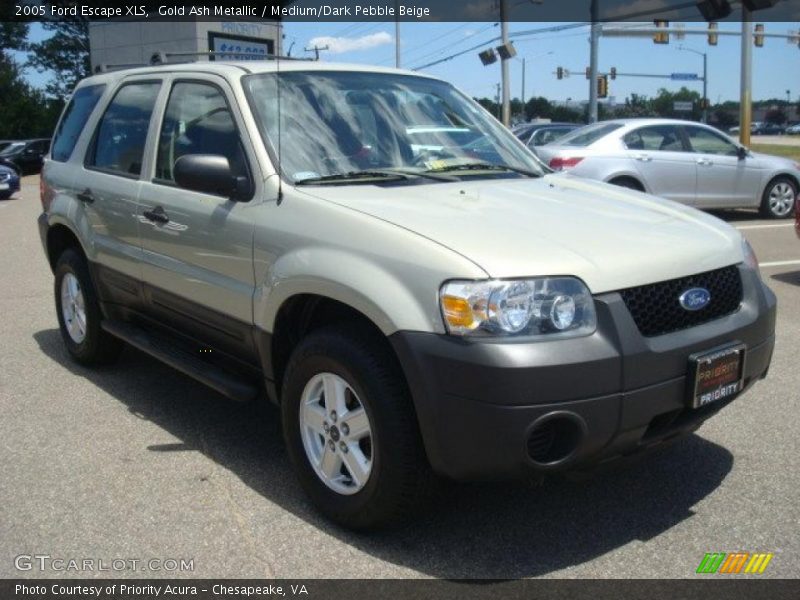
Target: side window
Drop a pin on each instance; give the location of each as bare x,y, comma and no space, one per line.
708,142
665,138
122,132
198,121
74,119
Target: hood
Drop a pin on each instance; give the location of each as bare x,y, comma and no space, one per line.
610,237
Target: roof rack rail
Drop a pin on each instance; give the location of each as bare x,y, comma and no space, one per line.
163,58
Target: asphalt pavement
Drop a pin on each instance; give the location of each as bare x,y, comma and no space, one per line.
137,462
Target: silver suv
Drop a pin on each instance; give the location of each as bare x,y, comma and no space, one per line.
371,251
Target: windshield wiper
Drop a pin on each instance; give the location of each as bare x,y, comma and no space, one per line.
354,175
484,166
373,174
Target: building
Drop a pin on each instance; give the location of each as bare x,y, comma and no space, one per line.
134,42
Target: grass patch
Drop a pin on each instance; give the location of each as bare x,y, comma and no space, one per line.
787,151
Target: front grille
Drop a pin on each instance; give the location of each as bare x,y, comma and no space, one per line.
655,308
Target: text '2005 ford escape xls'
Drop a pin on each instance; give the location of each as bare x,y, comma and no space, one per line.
373,252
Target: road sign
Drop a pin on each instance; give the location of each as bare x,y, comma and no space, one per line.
681,106
684,76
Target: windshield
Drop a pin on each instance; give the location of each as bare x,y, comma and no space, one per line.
588,135
11,148
338,123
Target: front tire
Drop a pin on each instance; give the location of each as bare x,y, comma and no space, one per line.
79,314
350,428
779,198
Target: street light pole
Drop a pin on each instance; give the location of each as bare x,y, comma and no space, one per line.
594,46
506,111
523,82
745,92
705,80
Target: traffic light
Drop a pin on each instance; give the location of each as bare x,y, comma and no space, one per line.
488,57
602,86
560,72
613,72
507,51
705,104
713,10
758,36
661,37
713,36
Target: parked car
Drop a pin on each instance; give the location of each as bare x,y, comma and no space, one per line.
683,161
5,143
26,155
409,313
768,129
9,182
793,129
539,134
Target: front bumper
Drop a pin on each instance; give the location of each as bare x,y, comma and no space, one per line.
479,404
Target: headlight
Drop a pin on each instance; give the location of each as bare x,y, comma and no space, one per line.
547,306
750,256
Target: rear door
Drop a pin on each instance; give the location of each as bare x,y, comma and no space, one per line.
663,160
723,179
197,264
108,186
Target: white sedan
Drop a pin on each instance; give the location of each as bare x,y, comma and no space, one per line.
683,161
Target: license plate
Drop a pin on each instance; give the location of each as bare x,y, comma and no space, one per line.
3,186
716,375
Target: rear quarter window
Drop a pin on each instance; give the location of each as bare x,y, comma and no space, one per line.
74,120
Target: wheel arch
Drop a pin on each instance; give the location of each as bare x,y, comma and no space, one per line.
636,177
59,238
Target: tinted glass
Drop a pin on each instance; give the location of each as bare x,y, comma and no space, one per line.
708,142
12,148
588,135
665,138
122,132
198,121
329,123
72,123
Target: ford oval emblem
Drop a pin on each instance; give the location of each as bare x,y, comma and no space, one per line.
695,298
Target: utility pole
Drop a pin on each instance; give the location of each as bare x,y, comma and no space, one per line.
745,93
316,50
523,82
499,107
594,46
506,111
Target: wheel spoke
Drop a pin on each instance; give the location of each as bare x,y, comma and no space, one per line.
334,394
356,464
357,423
330,463
314,417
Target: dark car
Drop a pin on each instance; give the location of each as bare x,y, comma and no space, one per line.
5,143
768,129
25,156
9,182
539,134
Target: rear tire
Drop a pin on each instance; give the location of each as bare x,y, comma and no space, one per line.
79,314
5,195
779,198
398,472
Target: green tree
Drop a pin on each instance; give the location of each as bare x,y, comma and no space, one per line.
723,118
65,53
538,108
25,111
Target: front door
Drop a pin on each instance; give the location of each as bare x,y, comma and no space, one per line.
197,248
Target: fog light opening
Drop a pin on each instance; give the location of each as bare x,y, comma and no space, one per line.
555,438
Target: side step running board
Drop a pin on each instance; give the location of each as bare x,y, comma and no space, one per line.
184,361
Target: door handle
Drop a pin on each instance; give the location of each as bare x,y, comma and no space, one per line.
86,196
156,215
644,158
705,162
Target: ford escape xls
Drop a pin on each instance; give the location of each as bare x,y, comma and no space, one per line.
443,306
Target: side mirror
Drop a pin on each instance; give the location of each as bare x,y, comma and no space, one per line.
211,173
741,152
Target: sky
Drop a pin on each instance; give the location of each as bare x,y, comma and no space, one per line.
776,66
